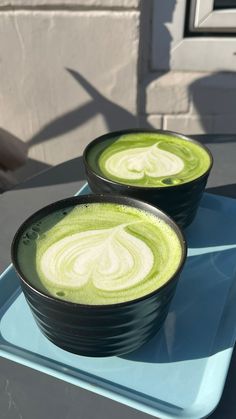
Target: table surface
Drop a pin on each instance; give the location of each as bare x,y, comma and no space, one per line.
27,394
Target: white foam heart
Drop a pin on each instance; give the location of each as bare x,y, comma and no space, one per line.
113,259
151,161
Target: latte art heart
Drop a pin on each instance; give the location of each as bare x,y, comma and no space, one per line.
110,258
100,253
148,159
151,161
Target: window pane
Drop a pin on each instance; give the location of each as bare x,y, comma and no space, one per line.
224,4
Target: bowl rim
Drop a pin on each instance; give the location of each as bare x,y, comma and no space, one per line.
97,198
149,131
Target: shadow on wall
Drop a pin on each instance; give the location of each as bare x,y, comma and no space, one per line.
115,118
214,100
114,115
212,95
166,14
208,95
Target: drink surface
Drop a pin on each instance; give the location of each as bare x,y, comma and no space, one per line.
99,253
149,159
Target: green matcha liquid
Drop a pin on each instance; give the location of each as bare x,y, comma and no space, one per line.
99,253
149,159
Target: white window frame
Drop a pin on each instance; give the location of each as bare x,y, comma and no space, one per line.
204,18
172,51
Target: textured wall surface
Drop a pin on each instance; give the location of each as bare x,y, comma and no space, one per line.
193,102
67,76
71,70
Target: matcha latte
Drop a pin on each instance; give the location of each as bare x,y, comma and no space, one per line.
99,253
149,159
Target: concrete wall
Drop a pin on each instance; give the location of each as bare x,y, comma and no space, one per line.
68,72
71,70
193,103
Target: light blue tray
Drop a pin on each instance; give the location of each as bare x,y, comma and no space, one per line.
181,372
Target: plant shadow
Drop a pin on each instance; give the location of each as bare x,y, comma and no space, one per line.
114,115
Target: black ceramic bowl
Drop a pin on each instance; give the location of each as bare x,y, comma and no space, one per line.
179,201
98,330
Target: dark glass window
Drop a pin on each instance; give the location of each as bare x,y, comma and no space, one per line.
224,4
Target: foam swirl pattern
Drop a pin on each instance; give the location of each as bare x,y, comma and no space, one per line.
136,163
149,159
110,258
99,254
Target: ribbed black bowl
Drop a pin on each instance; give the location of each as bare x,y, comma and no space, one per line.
179,201
98,330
